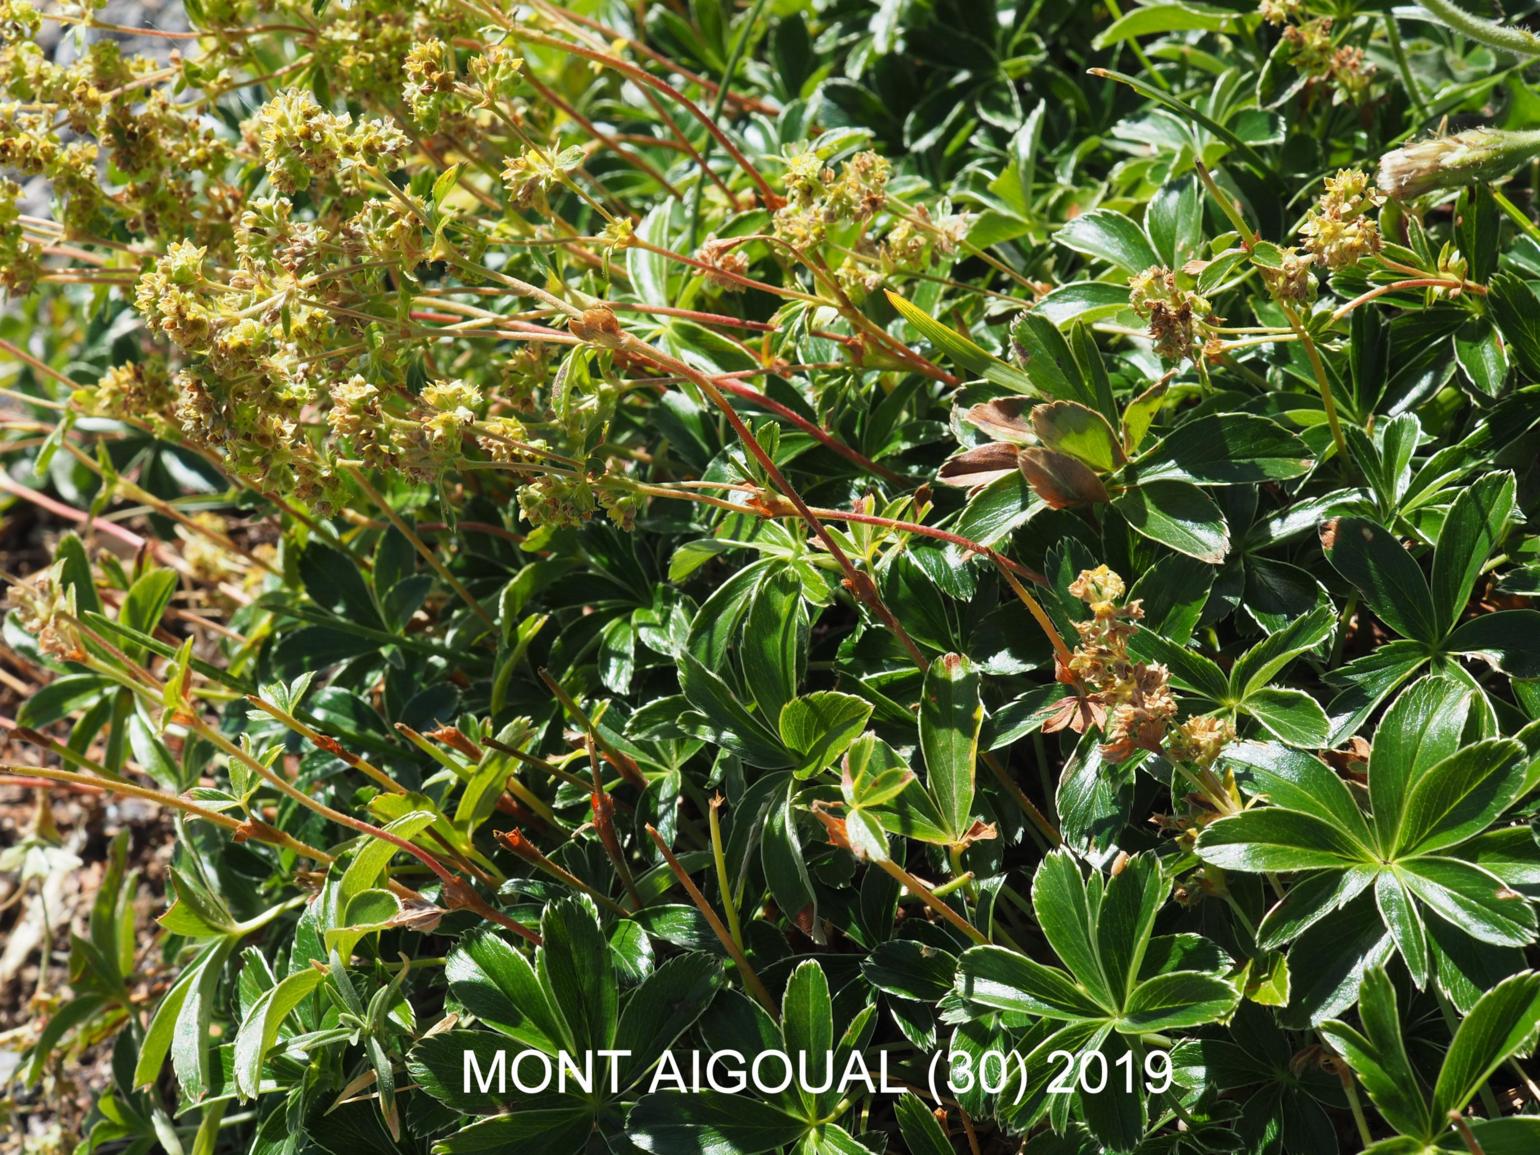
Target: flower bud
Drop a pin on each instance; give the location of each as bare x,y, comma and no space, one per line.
1478,154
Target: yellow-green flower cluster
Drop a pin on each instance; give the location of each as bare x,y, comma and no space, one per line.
1280,11
430,82
20,259
1180,319
816,197
1339,231
1316,53
1200,740
1130,699
1292,280
301,143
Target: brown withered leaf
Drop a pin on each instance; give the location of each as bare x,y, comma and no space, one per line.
1004,419
980,466
980,831
1059,479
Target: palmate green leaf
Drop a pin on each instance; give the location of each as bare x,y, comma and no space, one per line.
1258,665
1378,1057
1114,1116
1385,457
1225,449
951,714
1502,1023
912,812
259,1029
1508,639
1101,930
1190,670
1125,920
999,509
374,855
785,869
664,1006
1048,361
189,1045
61,697
993,976
873,773
807,1023
1179,516
775,641
1420,729
1291,716
1475,524
1110,236
819,727
1064,914
1272,838
1515,1135
1162,17
499,986
1482,356
1404,921
577,973
1173,593
729,721
1086,301
1391,582
1472,899
709,1123
922,1134
1369,680
1460,796
70,1016
559,1124
1516,310
146,601
910,970
1314,897
1299,782
1180,999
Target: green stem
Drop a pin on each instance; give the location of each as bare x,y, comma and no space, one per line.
1116,12
1398,50
1516,214
1350,1090
740,43
1503,37
724,882
751,979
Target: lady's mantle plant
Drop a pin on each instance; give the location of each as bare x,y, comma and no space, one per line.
982,540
